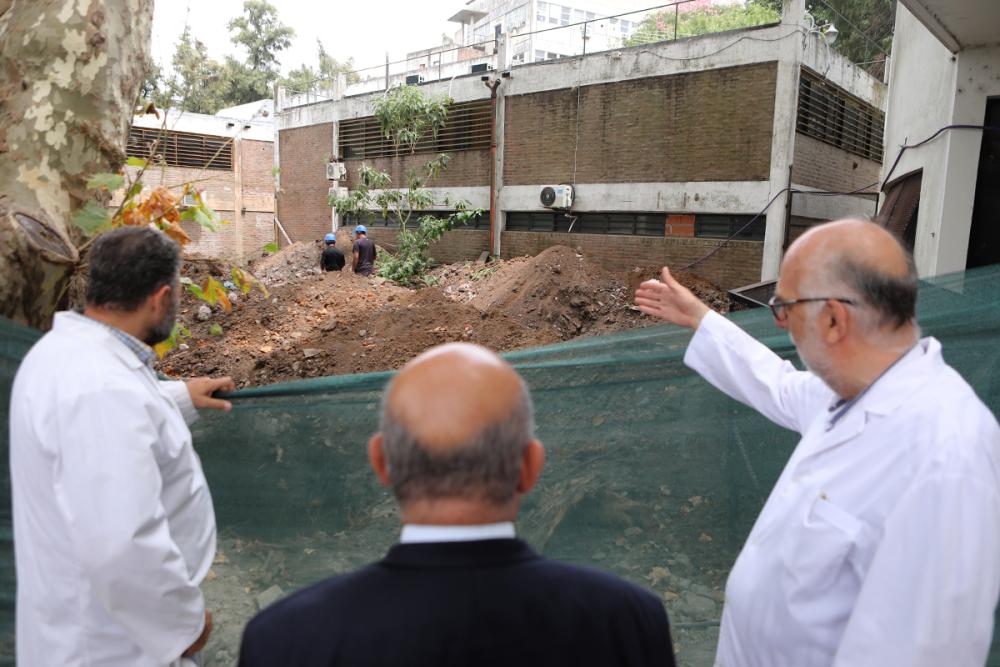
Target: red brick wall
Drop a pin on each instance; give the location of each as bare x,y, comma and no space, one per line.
458,245
698,126
465,169
735,265
817,164
218,188
302,201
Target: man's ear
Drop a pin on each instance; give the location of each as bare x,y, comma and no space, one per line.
376,457
532,462
836,318
159,302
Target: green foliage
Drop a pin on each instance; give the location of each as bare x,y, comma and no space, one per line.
179,334
198,83
865,28
485,272
410,262
263,36
305,77
407,116
660,25
270,248
215,330
106,182
92,218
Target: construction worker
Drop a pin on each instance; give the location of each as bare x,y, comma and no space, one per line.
364,252
332,259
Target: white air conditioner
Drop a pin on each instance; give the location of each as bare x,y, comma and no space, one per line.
188,201
336,171
557,196
338,192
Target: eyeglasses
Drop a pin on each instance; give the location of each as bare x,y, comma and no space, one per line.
779,308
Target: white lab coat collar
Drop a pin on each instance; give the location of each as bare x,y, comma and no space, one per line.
82,326
914,370
417,533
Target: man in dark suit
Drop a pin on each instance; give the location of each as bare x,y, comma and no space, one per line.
457,447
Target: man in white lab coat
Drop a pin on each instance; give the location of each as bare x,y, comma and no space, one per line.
880,543
113,522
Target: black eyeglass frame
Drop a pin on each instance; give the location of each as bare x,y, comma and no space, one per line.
776,305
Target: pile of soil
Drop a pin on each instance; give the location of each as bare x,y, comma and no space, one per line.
313,324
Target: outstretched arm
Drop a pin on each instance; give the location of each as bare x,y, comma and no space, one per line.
668,300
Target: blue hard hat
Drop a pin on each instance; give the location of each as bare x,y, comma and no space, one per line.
330,238
360,229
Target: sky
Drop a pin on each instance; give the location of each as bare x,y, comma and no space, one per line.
364,30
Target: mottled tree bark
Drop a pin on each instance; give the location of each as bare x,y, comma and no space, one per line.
69,74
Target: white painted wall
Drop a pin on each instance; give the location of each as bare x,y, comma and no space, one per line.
741,197
930,88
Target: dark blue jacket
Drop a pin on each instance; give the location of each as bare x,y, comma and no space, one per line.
468,604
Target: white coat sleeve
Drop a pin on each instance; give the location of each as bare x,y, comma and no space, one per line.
929,595
179,392
748,371
108,485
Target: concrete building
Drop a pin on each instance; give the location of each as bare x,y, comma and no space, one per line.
229,159
943,195
672,148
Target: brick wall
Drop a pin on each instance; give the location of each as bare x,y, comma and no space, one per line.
698,126
465,169
302,201
817,164
735,265
218,188
458,245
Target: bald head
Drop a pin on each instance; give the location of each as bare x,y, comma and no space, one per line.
858,257
455,422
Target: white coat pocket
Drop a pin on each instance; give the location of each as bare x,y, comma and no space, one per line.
815,560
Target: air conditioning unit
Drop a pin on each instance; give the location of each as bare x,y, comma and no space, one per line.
188,201
557,196
338,192
414,79
336,171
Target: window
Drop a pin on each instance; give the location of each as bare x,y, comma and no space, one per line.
467,128
591,16
629,224
181,149
835,117
376,219
723,226
578,15
539,56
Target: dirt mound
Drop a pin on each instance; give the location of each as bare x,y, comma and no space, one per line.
291,263
314,324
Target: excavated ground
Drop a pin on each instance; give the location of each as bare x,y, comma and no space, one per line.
313,324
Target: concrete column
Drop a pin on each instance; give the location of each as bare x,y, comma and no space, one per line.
238,194
501,215
335,143
786,96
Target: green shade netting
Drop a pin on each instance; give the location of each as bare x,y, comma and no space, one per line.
651,473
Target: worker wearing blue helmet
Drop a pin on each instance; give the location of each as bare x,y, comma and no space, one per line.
364,252
331,259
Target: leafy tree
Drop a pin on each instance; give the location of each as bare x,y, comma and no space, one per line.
659,26
263,36
305,77
406,117
865,29
373,192
198,82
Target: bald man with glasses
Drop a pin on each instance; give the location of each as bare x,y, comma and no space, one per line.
880,543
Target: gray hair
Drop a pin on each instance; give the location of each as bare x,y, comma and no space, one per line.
892,299
486,467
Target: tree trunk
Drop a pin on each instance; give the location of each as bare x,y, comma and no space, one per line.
70,71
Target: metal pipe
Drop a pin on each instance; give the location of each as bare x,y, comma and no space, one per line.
493,85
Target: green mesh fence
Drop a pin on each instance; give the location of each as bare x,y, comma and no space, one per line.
651,473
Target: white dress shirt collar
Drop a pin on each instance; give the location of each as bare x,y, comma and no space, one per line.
416,533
